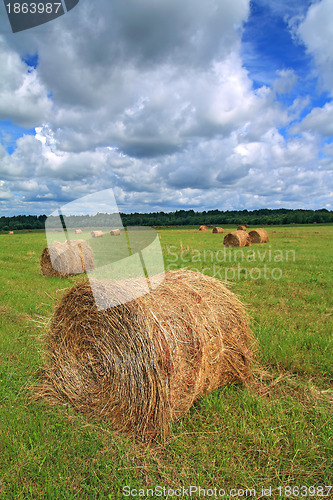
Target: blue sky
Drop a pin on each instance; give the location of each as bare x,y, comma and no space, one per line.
173,105
268,44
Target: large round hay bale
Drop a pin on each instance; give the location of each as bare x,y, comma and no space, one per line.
142,364
217,230
203,228
259,236
78,231
115,232
237,239
10,232
97,234
64,259
241,228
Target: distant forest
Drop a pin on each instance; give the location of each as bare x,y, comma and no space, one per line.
261,217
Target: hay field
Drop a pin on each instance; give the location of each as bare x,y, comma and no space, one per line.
276,433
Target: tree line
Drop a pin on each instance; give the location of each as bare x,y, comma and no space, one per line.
262,217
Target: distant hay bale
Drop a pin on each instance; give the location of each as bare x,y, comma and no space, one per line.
142,364
237,239
78,231
203,228
115,232
10,232
217,230
241,228
65,259
97,234
259,236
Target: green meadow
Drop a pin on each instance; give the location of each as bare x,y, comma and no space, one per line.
276,433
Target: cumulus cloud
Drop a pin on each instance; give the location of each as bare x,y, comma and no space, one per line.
316,33
153,99
319,121
23,98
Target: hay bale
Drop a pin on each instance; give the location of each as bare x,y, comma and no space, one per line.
241,228
10,232
78,231
97,234
203,228
259,236
65,259
217,230
237,239
115,232
142,364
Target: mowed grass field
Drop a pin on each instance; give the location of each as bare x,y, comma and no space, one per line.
275,433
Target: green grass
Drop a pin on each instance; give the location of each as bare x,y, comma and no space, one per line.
276,433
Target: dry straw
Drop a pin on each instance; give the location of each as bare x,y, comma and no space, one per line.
10,232
78,231
203,228
97,234
142,364
217,230
259,236
115,232
241,228
237,239
64,259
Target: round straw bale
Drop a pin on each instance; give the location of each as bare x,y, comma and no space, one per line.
237,239
115,232
241,228
64,259
97,234
78,231
259,236
217,230
142,364
10,232
203,228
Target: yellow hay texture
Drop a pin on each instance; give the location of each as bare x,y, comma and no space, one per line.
241,228
64,259
203,228
237,239
142,364
217,230
115,232
10,232
259,236
78,231
97,234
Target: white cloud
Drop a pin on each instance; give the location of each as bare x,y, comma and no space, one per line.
23,98
316,33
319,121
152,99
285,82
